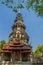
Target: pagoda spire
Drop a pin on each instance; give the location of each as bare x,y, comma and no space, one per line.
18,30
19,17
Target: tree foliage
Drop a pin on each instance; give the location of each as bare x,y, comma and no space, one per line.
38,51
2,43
36,5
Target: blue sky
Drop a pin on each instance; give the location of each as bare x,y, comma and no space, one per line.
34,25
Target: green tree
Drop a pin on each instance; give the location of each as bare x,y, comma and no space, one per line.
36,5
2,43
38,50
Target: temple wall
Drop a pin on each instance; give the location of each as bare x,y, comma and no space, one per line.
15,56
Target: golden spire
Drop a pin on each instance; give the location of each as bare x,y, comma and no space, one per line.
19,10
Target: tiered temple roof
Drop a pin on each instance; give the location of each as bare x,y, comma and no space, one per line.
16,45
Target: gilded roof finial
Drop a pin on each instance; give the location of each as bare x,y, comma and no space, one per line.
19,2
19,10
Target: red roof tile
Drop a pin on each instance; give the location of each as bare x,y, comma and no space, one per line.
6,47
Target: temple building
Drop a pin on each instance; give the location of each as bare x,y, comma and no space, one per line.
18,48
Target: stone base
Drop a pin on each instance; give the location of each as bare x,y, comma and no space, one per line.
16,63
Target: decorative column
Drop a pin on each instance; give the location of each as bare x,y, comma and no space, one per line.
28,57
20,56
11,59
31,58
